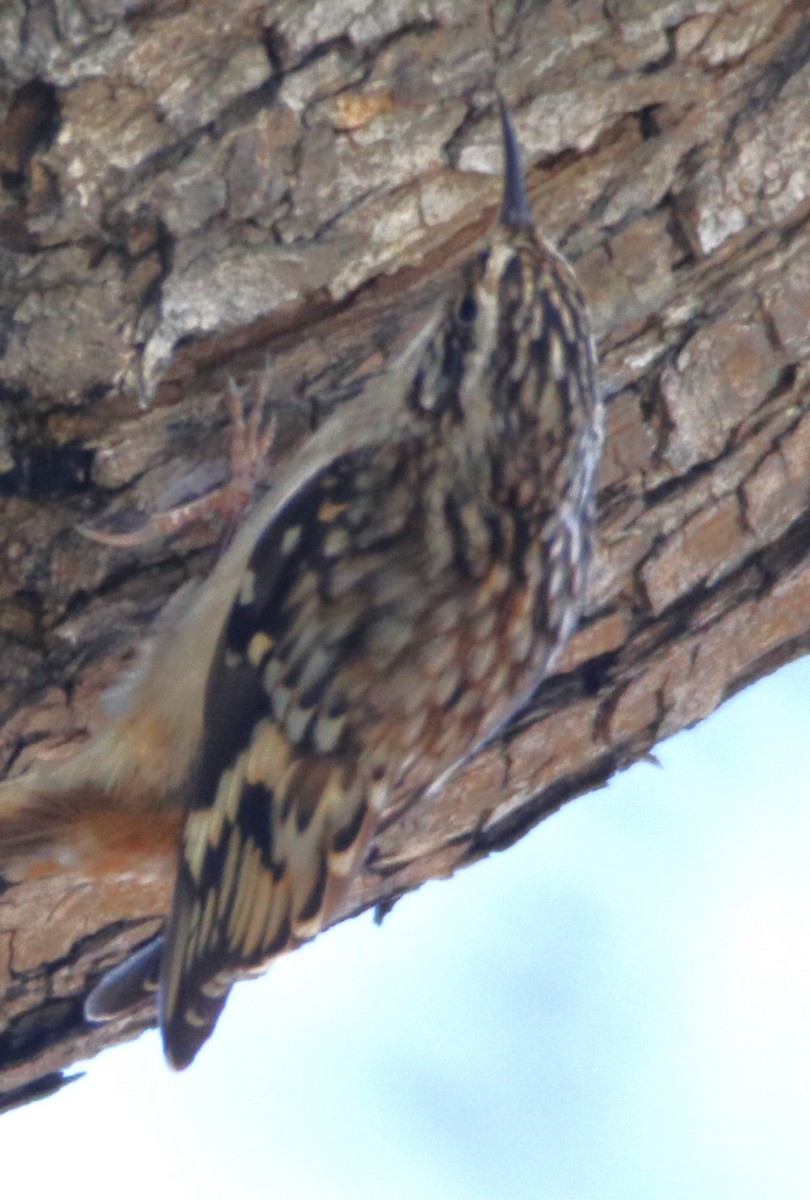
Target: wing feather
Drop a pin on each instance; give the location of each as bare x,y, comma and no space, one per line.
356,669
282,812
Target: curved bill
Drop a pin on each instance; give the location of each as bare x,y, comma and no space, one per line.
515,210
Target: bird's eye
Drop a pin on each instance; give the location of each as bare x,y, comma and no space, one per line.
468,309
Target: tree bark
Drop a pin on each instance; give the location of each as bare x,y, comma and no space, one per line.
276,194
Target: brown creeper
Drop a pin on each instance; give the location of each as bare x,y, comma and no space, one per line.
383,612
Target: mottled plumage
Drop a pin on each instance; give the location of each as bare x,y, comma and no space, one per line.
409,585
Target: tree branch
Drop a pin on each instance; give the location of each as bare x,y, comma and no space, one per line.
279,197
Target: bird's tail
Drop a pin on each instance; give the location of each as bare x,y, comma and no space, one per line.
35,817
133,983
81,814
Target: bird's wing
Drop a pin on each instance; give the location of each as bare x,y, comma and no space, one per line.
288,788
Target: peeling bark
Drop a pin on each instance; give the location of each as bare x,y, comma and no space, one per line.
275,195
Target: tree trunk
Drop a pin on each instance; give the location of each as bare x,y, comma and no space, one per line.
275,194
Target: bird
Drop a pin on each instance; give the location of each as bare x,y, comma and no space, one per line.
389,605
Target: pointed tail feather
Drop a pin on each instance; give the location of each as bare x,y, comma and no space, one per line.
62,821
133,983
34,819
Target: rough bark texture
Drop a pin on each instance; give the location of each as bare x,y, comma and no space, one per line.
275,192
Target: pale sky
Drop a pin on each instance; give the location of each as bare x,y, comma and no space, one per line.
617,1007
